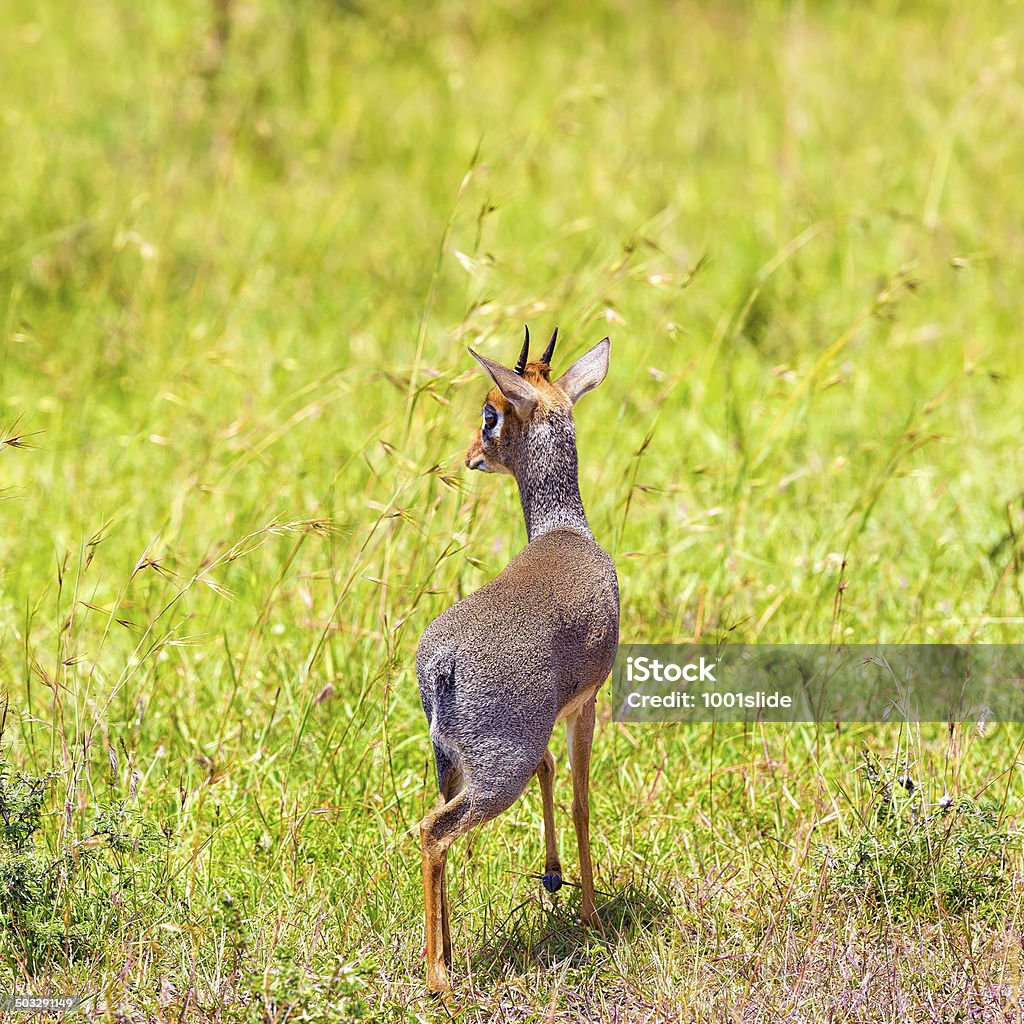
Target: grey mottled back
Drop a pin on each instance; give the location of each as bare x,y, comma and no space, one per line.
499,668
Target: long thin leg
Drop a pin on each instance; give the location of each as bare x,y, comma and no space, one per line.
433,903
453,786
581,736
446,932
552,867
438,830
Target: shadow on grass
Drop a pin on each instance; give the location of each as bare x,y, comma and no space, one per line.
544,931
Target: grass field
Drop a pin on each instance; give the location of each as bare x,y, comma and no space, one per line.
243,247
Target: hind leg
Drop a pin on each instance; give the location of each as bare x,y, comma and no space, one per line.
446,931
433,903
438,830
453,786
552,867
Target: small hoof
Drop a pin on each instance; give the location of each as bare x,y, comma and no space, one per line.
552,882
437,981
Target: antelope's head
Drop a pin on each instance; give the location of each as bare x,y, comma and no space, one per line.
525,408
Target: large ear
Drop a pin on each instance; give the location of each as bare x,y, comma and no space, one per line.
519,392
587,372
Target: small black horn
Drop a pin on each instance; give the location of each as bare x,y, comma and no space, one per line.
524,355
550,350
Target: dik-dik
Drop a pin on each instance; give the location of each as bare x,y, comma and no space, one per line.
497,670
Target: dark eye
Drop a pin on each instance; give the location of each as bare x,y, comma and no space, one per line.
490,417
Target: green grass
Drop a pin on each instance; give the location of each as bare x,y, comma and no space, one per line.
242,249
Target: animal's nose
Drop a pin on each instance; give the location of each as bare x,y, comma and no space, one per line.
475,460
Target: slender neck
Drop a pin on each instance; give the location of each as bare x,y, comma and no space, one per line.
548,479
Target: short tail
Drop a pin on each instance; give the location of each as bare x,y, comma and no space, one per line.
446,759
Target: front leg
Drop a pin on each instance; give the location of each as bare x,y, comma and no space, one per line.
580,729
552,867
